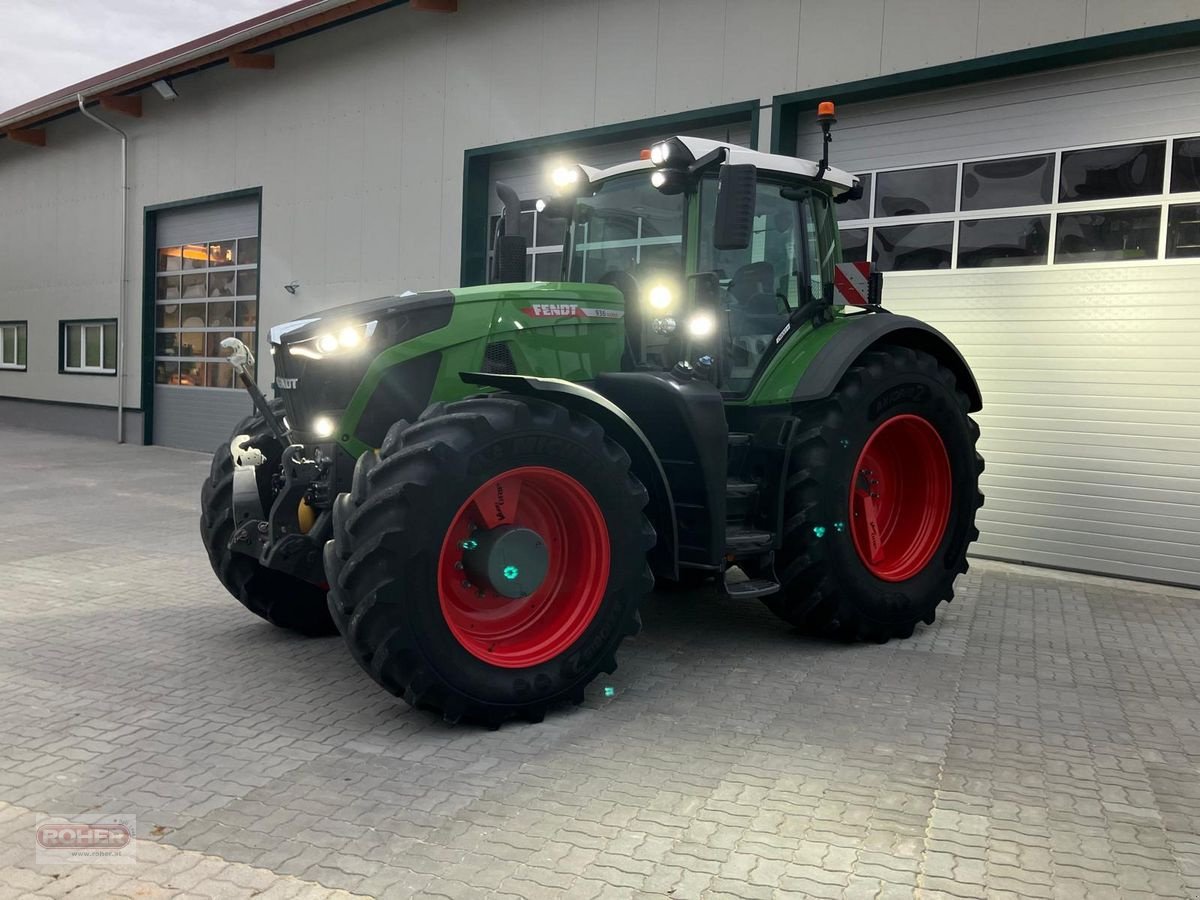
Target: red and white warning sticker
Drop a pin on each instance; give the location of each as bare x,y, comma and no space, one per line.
570,311
850,283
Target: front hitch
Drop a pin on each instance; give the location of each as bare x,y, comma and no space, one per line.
280,540
241,359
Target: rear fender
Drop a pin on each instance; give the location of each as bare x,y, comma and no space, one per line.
644,461
864,333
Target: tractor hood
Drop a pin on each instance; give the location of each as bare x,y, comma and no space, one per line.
359,313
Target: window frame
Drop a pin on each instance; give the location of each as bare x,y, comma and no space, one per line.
16,365
1161,201
84,324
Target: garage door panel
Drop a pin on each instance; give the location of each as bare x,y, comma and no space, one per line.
1123,396
1089,104
1157,507
205,290
1015,484
1099,434
1075,558
1156,414
1150,527
1102,464
1178,557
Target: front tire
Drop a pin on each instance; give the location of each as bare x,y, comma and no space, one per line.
279,598
490,558
881,498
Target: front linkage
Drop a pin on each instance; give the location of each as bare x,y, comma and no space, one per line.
289,536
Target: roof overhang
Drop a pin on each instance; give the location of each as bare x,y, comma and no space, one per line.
261,32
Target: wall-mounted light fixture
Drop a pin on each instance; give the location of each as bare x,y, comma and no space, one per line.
165,89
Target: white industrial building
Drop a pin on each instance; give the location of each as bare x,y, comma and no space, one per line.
1033,190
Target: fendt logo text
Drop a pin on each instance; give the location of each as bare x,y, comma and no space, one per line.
570,311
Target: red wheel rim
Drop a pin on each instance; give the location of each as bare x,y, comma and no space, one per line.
900,497
518,633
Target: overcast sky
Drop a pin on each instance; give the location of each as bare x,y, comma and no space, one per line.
49,44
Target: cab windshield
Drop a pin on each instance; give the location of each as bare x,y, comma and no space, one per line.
627,229
630,235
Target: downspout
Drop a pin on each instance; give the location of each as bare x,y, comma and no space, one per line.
122,320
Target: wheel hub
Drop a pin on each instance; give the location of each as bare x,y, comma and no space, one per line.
510,560
524,567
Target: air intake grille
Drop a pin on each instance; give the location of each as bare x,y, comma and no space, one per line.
497,360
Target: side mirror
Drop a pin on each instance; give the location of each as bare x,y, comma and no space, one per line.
855,193
737,188
510,245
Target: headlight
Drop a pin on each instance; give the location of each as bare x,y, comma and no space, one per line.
337,340
659,153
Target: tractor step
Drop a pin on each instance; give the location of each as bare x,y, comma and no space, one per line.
740,498
740,586
743,541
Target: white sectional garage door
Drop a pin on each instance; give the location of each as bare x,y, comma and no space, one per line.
529,176
1050,225
206,289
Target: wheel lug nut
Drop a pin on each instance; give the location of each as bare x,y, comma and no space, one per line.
466,583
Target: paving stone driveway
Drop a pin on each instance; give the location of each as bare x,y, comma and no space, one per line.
1041,739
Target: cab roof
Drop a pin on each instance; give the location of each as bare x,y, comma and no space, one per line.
774,163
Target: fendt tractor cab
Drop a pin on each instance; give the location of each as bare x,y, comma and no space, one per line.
477,486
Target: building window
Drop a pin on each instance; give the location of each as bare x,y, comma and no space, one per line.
1106,173
1016,241
915,192
89,347
13,345
1114,235
204,293
1183,231
1116,203
999,183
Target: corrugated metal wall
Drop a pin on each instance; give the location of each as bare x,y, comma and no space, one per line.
1090,372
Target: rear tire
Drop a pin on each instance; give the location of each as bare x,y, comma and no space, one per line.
416,612
281,599
883,429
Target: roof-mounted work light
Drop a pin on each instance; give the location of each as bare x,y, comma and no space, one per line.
672,153
570,181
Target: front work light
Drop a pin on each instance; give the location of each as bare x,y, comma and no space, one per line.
571,181
323,426
701,325
565,176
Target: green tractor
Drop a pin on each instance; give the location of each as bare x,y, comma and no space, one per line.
477,486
